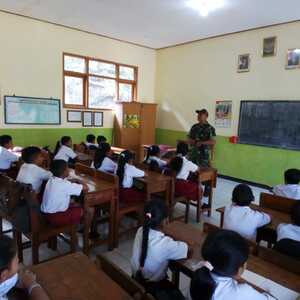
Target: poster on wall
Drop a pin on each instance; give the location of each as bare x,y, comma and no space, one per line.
131,121
223,114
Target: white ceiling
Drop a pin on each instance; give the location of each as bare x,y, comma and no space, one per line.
156,23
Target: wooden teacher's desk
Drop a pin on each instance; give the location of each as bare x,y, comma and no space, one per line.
75,277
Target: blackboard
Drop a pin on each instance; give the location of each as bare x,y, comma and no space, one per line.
270,124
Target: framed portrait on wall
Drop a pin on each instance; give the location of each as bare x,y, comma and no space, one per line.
87,119
244,63
270,46
74,116
293,58
98,119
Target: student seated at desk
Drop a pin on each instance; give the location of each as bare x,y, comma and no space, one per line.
153,156
288,235
64,150
183,168
91,142
152,251
10,277
240,217
102,160
225,253
56,204
7,158
126,172
101,139
291,188
31,171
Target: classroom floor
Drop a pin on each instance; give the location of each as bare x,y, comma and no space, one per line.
121,256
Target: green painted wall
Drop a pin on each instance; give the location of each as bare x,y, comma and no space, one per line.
49,136
258,164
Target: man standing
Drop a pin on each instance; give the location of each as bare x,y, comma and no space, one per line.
201,138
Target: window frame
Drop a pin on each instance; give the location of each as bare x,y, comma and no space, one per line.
85,76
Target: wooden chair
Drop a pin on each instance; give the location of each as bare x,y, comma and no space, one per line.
275,202
121,209
39,230
132,287
83,169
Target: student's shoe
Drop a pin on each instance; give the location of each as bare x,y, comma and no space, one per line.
205,206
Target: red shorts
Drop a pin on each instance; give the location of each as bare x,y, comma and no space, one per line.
71,216
131,195
190,190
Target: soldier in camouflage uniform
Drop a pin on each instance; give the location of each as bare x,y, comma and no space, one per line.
201,138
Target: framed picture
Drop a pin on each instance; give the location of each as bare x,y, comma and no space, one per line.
74,116
270,46
244,63
293,58
98,119
87,119
223,114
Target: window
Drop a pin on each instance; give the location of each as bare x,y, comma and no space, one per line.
95,84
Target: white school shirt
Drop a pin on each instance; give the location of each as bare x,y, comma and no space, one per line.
244,220
58,193
161,163
187,167
7,158
108,165
161,249
90,144
34,175
291,191
288,231
229,289
65,153
131,172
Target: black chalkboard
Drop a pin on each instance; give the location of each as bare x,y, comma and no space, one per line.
270,124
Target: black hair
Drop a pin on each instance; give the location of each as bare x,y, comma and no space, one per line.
295,213
176,163
124,158
58,167
63,141
242,195
29,154
155,212
100,154
292,176
227,252
8,251
5,139
90,138
182,148
101,139
153,150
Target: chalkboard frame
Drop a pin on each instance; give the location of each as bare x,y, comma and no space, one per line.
37,98
261,144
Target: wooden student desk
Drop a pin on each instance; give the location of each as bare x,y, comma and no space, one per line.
195,237
100,192
277,216
75,277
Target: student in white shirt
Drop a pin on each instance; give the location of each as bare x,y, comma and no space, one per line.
31,171
6,156
64,150
102,160
126,172
152,251
225,253
184,168
240,217
91,142
288,235
56,204
11,277
291,188
153,157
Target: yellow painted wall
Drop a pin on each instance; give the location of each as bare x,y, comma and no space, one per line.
195,75
31,60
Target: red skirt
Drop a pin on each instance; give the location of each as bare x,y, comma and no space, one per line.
69,217
190,190
131,195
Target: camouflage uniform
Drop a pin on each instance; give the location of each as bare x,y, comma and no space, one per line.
201,132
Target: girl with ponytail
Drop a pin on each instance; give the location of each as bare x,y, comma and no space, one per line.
153,157
152,251
225,253
102,160
126,172
63,150
184,168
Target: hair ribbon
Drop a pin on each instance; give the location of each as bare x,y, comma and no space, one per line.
149,215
